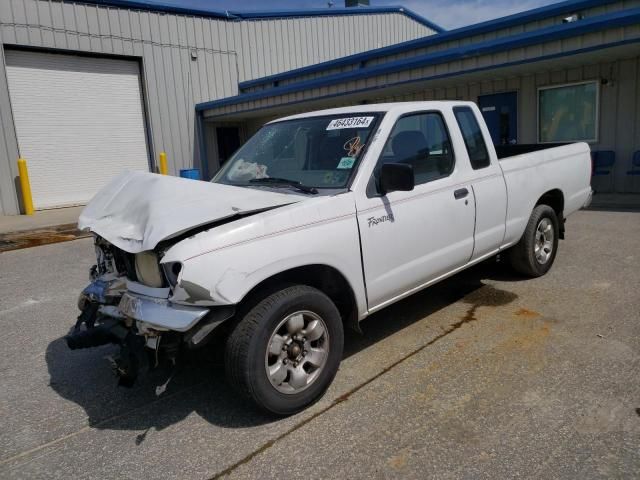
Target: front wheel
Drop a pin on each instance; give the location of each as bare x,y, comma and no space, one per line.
536,251
285,352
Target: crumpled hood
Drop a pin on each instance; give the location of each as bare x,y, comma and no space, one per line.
137,210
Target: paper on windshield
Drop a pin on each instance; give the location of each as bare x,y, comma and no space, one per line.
349,122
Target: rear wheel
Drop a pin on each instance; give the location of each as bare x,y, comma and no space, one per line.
536,251
285,352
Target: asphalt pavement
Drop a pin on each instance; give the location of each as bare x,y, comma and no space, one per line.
486,375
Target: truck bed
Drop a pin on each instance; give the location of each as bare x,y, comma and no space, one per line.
533,170
506,151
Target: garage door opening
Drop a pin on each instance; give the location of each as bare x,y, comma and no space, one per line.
228,142
79,122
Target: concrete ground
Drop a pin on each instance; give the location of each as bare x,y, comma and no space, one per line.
40,219
486,375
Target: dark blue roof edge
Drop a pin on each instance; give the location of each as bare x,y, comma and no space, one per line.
442,75
162,7
554,32
476,29
257,14
310,12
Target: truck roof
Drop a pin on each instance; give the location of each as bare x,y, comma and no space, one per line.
379,107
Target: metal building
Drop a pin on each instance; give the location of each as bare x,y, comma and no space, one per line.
91,87
561,73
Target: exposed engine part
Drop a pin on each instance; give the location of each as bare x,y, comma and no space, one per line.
107,291
132,359
111,259
93,330
95,336
97,325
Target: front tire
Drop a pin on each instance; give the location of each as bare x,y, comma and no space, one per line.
285,352
536,251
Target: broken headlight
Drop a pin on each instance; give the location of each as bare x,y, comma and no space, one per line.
148,269
171,272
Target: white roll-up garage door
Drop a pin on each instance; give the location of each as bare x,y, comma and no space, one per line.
79,122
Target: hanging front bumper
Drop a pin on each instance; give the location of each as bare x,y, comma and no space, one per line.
159,313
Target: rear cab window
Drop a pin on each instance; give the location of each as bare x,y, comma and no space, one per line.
473,138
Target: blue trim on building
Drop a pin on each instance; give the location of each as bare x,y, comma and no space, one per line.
441,76
541,13
555,32
159,6
311,12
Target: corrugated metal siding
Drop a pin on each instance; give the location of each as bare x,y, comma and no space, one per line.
8,146
174,81
457,67
284,44
531,26
619,122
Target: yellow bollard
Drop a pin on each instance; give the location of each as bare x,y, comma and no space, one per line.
163,163
25,186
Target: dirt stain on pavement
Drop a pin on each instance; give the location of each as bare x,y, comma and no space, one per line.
486,296
398,462
523,312
41,236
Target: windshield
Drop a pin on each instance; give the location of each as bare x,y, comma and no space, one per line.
319,152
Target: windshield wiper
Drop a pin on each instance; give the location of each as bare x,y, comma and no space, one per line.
275,181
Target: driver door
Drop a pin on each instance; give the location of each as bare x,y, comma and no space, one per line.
411,238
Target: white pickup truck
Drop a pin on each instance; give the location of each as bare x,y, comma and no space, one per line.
319,220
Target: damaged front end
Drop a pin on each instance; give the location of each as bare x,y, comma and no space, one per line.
128,303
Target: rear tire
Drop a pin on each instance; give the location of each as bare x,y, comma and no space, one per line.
284,353
536,251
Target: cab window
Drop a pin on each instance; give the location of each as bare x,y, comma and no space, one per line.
473,139
422,141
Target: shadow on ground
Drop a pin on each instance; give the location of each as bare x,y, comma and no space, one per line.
85,378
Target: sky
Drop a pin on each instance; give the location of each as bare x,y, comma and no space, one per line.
446,13
458,13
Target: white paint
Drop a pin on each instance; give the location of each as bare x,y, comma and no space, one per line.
79,122
409,240
137,210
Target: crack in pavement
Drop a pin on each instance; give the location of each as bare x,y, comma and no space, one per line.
468,318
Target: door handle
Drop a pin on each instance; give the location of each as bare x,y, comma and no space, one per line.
460,193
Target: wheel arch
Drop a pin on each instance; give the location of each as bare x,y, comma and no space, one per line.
325,278
555,199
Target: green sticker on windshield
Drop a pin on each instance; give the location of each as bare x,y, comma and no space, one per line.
346,162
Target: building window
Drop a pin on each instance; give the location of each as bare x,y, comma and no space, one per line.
568,113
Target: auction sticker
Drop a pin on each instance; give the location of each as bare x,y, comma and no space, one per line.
349,122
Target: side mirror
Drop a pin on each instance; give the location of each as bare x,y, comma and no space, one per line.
396,177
